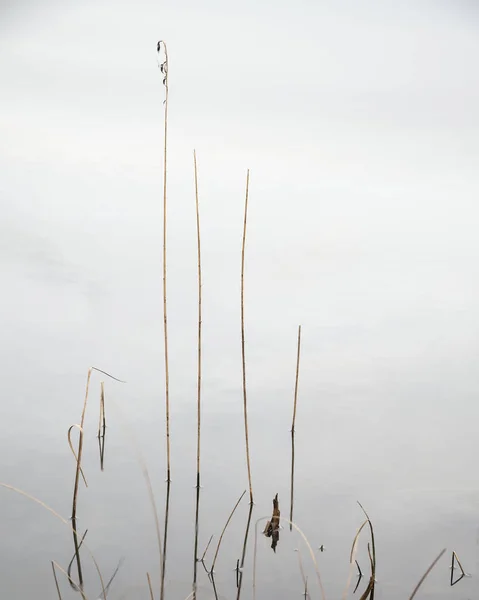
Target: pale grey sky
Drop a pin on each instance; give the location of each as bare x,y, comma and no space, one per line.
359,122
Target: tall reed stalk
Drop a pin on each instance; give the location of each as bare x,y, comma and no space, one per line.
243,357
293,427
164,70
198,407
245,401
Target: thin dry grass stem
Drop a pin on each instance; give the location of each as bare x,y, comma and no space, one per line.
459,563
301,568
56,581
243,357
165,540
72,583
58,516
243,553
149,586
198,438
355,541
206,549
107,587
164,70
80,433
308,545
293,426
430,568
78,468
352,560
223,532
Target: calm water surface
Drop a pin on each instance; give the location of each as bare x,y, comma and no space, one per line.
387,415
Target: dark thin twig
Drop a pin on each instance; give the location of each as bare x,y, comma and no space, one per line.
206,549
293,427
165,539
198,439
224,529
104,592
56,581
102,420
360,573
69,569
243,554
243,357
164,70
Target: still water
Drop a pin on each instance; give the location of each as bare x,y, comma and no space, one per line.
387,408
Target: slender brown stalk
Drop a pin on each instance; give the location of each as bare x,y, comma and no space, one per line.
224,529
164,70
245,403
430,568
165,540
206,549
243,553
298,355
77,481
149,586
56,581
198,438
293,427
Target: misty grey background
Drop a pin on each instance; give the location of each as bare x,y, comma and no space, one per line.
359,123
